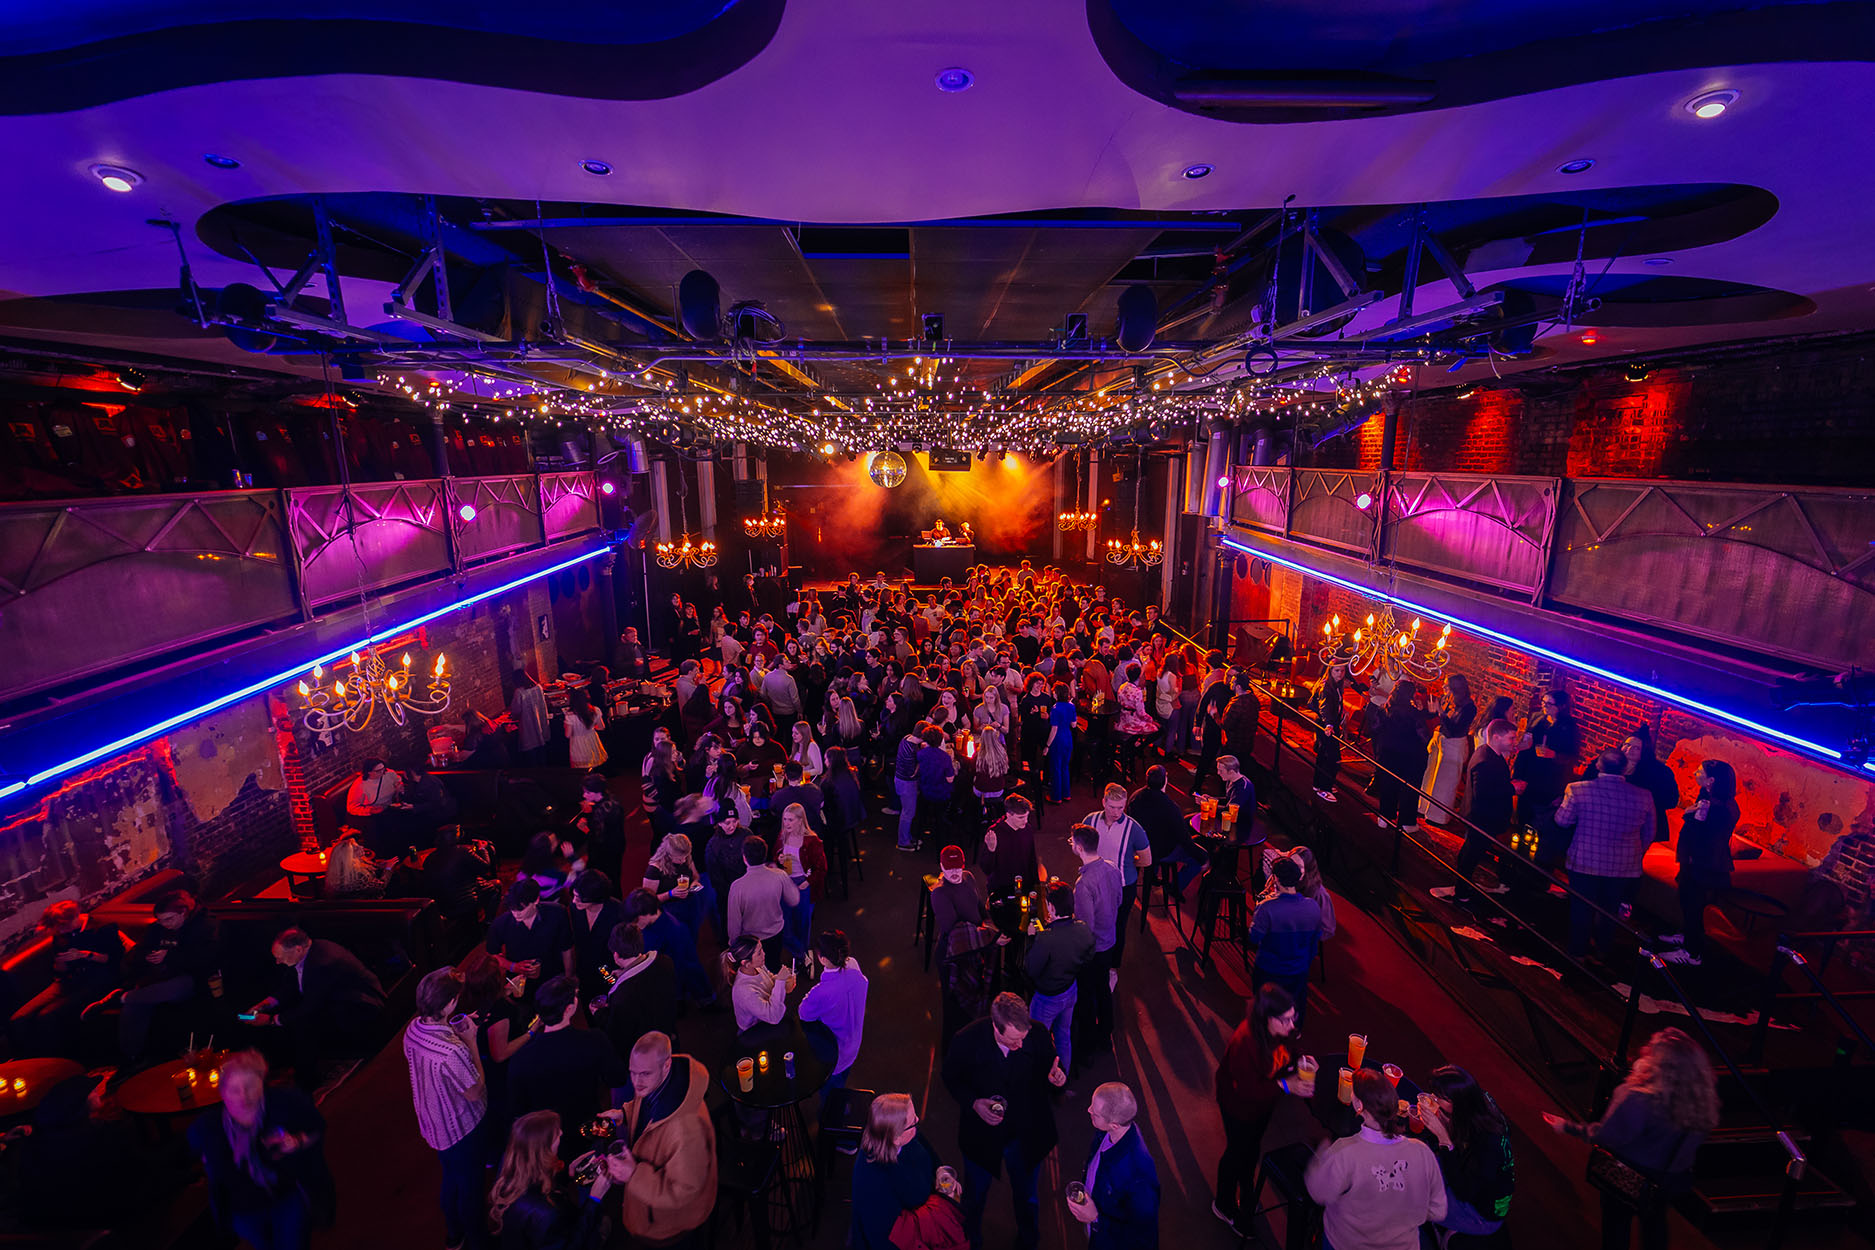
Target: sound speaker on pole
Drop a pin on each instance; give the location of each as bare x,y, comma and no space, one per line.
1138,319
699,306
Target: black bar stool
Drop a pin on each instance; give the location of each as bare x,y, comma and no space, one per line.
1227,903
1164,875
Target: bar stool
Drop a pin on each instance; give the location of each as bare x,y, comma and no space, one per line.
745,1175
1226,902
1164,875
924,929
843,1117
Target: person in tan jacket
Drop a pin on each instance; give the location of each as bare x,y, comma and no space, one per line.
669,1182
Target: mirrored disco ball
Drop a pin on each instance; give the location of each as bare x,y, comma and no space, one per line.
886,468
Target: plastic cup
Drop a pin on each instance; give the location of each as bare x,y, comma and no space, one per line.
1415,1120
787,1064
1357,1049
1344,1087
745,1074
1077,1192
998,1105
1392,1072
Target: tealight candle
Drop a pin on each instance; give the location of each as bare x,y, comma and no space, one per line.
19,1084
761,1061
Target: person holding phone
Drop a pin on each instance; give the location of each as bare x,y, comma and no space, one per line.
1704,851
529,939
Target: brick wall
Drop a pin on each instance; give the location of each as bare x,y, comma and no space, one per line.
1788,804
1799,413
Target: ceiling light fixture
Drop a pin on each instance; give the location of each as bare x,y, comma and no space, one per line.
466,512
1710,104
597,169
221,162
1195,172
116,177
1579,166
955,79
1363,501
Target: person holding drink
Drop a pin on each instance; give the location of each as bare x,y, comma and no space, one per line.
666,1172
1377,1186
1260,1064
450,1093
1118,1199
1474,1151
1000,1070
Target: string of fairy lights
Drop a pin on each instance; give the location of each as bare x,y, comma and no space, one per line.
919,400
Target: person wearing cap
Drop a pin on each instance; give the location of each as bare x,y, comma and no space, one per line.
85,954
1285,931
958,895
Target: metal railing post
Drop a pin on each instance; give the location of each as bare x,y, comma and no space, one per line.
1761,1032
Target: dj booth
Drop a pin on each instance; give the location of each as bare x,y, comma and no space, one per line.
930,564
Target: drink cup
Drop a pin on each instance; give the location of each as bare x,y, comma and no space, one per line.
1392,1072
787,1064
998,1105
1344,1087
1077,1192
1306,1068
745,1074
1415,1118
1357,1049
1233,814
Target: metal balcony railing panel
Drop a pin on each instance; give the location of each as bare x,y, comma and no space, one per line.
1325,508
392,532
504,515
569,504
1259,497
1483,528
1788,572
89,585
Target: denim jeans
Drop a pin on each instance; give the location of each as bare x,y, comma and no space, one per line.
977,1182
1055,1012
464,1221
907,806
1462,1217
1190,864
139,1006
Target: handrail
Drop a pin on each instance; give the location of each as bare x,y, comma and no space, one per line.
1788,953
1796,1157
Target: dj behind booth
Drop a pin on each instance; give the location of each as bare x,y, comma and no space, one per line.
942,553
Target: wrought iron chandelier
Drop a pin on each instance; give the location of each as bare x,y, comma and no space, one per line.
686,554
351,702
1070,522
1136,553
771,524
1382,644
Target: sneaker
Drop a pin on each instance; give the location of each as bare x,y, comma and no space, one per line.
1222,1214
890,811
1328,796
1381,821
1680,955
1671,939
1443,891
908,846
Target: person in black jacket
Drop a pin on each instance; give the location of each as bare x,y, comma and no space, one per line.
460,878
171,963
1490,801
1211,707
262,1153
85,956
533,1205
575,1072
1644,769
642,995
1705,855
1327,706
323,997
1400,751
1165,825
1000,1069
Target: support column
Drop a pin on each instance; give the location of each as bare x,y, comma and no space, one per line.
661,497
1093,504
706,498
1169,535
1060,479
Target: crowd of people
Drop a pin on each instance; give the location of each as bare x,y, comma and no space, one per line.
546,1070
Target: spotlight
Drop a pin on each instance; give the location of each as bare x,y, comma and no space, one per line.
466,512
933,327
131,380
1223,483
1710,104
1590,338
955,79
116,177
1363,501
1194,172
608,488
1579,166
597,169
221,162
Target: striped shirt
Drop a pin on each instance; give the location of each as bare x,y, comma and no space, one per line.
443,1069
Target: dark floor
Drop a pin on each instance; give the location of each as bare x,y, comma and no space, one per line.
1174,1017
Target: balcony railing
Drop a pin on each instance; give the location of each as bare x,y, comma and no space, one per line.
1781,571
91,586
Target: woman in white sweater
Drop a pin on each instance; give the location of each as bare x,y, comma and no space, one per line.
1378,1186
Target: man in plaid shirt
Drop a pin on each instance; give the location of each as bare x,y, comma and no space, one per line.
1614,820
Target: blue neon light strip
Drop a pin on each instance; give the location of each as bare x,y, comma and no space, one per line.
1632,683
268,683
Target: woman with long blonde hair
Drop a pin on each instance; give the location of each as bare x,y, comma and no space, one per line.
528,1207
896,1171
1654,1124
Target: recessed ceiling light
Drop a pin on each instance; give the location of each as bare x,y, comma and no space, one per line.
1710,104
1197,171
597,169
222,162
1658,260
956,78
116,177
1581,166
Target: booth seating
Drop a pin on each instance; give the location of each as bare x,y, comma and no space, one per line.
504,805
1766,887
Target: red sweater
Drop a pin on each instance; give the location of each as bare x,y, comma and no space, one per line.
1248,1073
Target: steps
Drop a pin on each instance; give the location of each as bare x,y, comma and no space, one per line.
1741,1173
